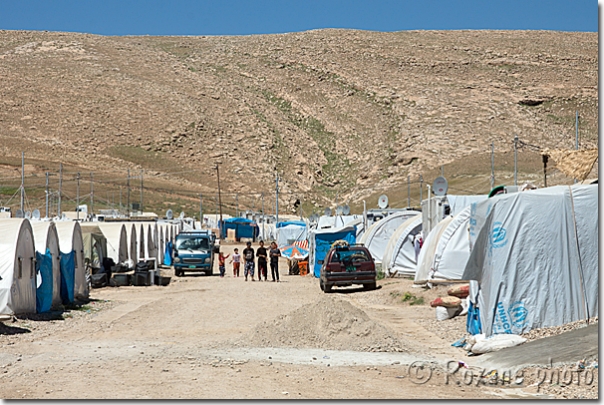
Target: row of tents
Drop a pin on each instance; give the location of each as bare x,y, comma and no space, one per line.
45,265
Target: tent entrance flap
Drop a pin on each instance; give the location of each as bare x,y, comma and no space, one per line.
67,277
45,289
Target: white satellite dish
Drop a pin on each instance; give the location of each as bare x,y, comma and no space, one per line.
339,210
28,214
35,214
383,201
327,212
440,186
346,210
19,213
182,215
169,214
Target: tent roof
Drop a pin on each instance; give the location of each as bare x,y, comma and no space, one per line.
66,231
288,223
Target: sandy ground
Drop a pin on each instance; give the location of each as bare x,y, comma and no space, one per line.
190,340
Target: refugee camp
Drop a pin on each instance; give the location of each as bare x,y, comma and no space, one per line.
384,200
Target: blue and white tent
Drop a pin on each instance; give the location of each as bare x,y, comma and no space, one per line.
74,283
48,265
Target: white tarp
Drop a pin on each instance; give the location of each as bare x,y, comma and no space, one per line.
399,256
132,242
535,259
425,260
458,203
70,240
336,221
289,234
378,235
117,240
17,269
453,248
45,237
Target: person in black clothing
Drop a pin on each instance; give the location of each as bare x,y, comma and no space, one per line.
275,253
261,253
248,256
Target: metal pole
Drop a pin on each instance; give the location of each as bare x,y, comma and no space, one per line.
141,191
128,202
277,198
78,197
263,218
408,191
515,160
219,201
421,192
60,189
91,193
492,165
200,212
46,215
237,205
120,198
429,212
442,170
22,179
576,132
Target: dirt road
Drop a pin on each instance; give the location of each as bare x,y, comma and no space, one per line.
210,337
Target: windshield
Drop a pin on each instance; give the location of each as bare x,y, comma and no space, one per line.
349,256
193,242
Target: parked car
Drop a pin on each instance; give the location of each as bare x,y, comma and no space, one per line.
193,251
347,265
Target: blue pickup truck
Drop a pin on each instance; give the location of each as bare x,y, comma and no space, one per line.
193,251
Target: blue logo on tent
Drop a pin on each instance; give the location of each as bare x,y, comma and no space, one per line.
498,235
518,314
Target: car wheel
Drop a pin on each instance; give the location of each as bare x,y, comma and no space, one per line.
370,286
321,285
327,288
209,273
178,273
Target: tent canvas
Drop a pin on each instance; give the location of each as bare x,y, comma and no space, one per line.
17,269
117,240
95,246
289,234
47,244
320,241
453,248
399,256
336,221
378,235
425,260
71,245
244,228
535,259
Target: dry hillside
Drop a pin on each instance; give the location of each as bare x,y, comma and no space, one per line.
335,112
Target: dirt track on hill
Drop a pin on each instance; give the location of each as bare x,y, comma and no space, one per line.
194,339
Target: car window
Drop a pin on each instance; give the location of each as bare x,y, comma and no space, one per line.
193,243
349,256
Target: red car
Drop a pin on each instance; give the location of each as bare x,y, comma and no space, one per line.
348,265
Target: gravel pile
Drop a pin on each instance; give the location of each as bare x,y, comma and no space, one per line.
556,330
330,323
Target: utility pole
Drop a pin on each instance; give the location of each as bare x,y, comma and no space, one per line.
237,205
492,165
120,198
442,170
515,160
141,191
78,197
277,198
421,192
46,215
91,193
60,189
22,180
408,191
263,218
128,201
200,212
576,132
219,200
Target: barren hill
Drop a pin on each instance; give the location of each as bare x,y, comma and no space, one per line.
335,112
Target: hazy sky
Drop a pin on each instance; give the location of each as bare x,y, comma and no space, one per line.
241,17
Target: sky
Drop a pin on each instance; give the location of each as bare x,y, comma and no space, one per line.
245,17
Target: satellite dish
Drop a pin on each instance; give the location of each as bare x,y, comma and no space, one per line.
327,212
339,210
28,214
63,216
36,214
182,215
383,201
19,213
440,186
346,210
169,214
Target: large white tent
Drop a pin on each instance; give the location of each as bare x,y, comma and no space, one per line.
289,234
17,269
71,245
377,236
534,261
336,221
425,259
132,242
117,240
399,256
47,244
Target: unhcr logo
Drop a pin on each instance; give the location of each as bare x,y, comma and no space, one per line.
518,314
498,235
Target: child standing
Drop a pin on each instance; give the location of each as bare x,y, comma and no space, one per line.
221,259
236,260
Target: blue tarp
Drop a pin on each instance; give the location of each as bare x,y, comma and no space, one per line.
322,244
67,276
244,228
168,254
286,223
44,291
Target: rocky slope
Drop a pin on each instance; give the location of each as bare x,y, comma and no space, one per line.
335,112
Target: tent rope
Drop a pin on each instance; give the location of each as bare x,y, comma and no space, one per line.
584,293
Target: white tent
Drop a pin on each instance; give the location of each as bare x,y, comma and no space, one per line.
17,269
458,203
535,258
70,241
267,232
150,246
399,256
132,242
161,244
46,237
141,241
425,259
336,221
377,236
117,240
289,234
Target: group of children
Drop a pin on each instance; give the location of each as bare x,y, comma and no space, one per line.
248,257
